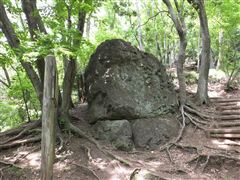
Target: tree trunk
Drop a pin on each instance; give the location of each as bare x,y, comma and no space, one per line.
7,76
181,29
165,51
67,91
81,88
202,89
49,116
7,28
88,26
40,63
14,43
158,49
220,53
140,37
35,24
38,86
199,50
34,19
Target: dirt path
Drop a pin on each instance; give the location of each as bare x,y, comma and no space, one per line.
198,155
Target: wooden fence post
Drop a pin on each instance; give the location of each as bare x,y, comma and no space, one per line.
49,115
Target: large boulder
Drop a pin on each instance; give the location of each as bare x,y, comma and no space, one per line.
123,82
118,132
152,132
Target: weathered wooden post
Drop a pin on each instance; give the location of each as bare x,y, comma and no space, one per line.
49,115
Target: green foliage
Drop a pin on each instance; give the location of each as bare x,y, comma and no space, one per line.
21,86
15,171
9,115
191,77
83,53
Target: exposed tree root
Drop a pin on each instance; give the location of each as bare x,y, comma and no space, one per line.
207,158
198,113
23,132
18,130
167,146
187,147
193,121
20,142
178,138
10,164
199,123
92,140
88,170
61,140
12,142
133,174
169,155
88,152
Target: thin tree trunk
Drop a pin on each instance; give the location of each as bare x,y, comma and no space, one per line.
33,17
81,88
88,26
199,50
67,91
181,29
7,28
14,43
158,49
7,75
165,47
34,79
35,24
220,53
140,37
40,63
23,95
202,89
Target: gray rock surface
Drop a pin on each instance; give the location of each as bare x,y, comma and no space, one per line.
150,133
124,83
118,132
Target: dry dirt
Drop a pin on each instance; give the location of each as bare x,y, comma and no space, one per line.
198,157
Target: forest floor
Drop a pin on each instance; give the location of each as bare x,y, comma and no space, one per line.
196,156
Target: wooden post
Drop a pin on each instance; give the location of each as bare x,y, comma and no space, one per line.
49,115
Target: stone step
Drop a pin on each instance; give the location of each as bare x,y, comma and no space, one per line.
228,136
223,104
223,108
228,117
234,123
232,130
230,112
221,100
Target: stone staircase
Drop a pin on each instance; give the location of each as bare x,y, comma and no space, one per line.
226,118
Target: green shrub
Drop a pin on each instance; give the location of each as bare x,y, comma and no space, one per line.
191,77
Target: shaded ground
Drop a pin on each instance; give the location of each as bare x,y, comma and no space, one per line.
195,157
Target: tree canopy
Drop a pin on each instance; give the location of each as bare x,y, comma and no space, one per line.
71,30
